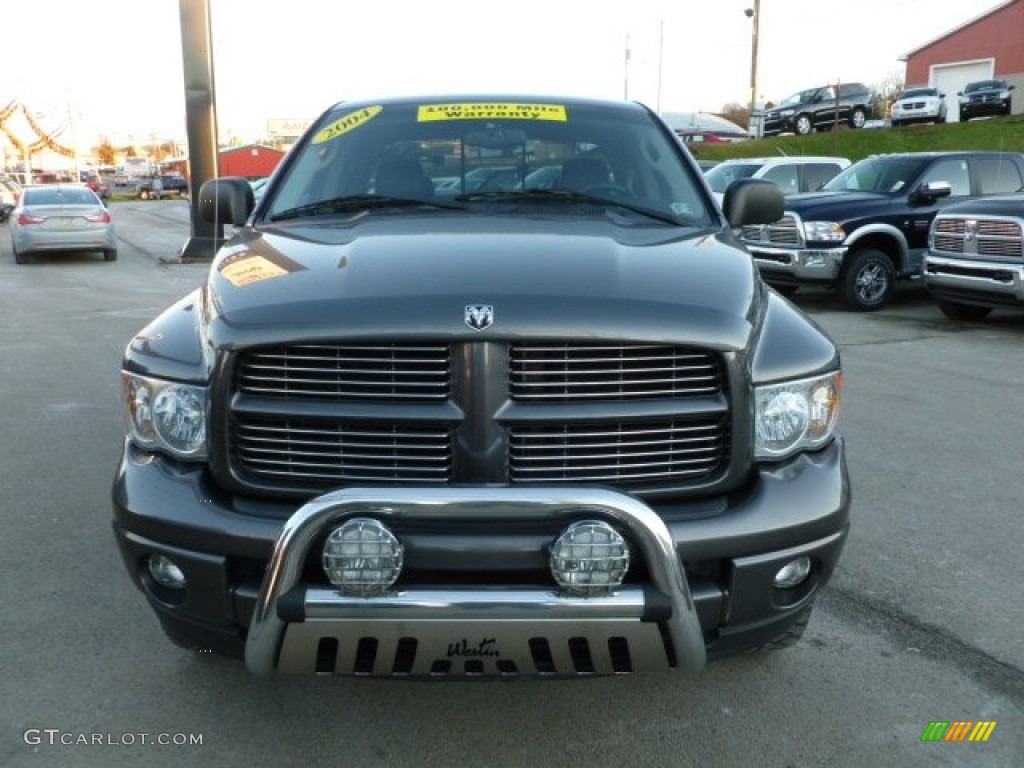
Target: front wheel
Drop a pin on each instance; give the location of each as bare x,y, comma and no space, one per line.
110,254
144,195
858,117
867,280
804,125
963,312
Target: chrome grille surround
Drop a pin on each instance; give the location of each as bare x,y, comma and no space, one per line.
994,237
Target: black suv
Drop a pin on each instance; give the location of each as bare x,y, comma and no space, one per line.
820,109
509,432
984,98
869,225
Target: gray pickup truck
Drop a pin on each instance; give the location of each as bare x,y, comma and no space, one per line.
412,429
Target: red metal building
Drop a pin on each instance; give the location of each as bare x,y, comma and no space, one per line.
251,161
987,46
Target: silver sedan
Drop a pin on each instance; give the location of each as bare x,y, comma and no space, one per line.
61,217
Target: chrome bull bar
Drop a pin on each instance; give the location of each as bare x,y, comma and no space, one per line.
388,617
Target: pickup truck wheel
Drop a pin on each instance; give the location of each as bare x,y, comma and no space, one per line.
858,117
963,312
867,280
791,636
144,195
804,125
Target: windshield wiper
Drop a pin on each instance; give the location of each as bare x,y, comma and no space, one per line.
568,196
357,203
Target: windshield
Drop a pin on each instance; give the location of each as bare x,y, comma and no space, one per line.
984,85
724,174
491,156
919,93
879,174
801,97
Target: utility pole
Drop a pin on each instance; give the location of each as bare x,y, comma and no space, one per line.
625,72
754,14
661,49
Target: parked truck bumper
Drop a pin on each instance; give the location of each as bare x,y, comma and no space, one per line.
791,266
704,586
988,283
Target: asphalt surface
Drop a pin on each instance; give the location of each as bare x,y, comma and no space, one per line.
921,623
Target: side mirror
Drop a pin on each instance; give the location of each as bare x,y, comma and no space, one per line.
752,201
226,201
959,93
1010,87
933,190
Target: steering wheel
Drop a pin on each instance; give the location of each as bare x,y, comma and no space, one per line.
613,192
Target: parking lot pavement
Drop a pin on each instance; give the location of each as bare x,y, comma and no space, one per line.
921,623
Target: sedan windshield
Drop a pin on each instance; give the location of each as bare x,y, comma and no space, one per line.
488,157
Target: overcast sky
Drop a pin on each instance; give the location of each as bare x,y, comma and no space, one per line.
116,64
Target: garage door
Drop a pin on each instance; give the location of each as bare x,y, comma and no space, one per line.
951,78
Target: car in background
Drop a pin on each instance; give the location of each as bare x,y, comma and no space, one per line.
918,105
792,174
173,184
10,191
984,98
700,137
96,184
819,109
707,165
61,217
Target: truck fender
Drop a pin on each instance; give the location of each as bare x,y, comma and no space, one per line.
888,232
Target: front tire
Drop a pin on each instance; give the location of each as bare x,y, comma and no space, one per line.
858,117
110,254
803,125
867,280
144,195
963,313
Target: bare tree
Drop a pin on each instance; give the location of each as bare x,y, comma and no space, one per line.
887,91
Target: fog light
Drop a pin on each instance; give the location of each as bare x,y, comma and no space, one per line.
590,557
166,573
362,557
793,573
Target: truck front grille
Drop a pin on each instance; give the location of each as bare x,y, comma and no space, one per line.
1001,238
574,372
373,372
622,453
316,453
784,232
641,416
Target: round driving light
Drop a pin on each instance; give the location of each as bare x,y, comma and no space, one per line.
362,557
793,573
589,557
166,573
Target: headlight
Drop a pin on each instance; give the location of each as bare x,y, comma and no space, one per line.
165,415
797,415
1004,94
828,231
786,112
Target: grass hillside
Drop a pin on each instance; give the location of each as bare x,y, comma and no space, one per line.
1005,134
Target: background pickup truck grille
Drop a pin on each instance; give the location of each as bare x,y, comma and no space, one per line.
590,372
998,238
782,232
381,372
643,417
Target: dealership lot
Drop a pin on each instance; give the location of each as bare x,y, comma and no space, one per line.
921,622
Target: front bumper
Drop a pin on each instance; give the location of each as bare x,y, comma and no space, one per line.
972,281
803,265
477,602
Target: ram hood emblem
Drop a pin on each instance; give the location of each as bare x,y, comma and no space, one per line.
479,316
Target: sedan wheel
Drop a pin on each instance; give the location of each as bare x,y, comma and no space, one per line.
858,118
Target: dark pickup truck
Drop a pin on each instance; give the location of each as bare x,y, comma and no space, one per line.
172,184
869,225
511,433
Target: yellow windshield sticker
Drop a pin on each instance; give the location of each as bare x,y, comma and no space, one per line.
502,111
347,123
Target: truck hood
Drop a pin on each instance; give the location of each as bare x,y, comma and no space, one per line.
836,205
414,276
